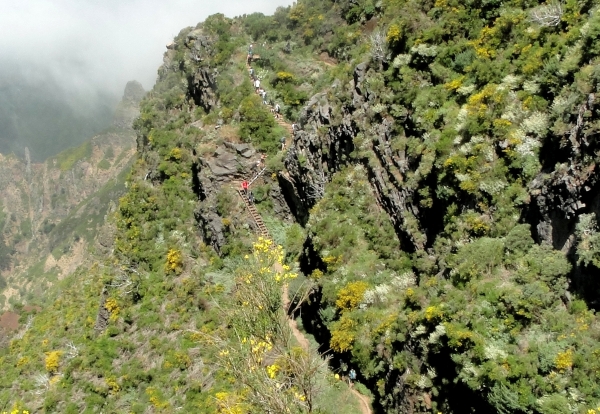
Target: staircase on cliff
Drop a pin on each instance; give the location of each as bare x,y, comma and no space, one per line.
257,176
262,229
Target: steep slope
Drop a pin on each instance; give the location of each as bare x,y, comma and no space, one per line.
468,144
437,195
171,293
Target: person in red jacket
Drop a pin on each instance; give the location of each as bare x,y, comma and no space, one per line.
245,187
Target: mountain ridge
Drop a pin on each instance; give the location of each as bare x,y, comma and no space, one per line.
431,207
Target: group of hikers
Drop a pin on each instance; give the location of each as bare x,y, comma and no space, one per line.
256,83
351,378
275,110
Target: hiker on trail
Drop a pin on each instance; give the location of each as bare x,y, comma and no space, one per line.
245,187
282,141
257,85
264,97
251,72
352,377
250,48
277,109
294,126
250,56
251,197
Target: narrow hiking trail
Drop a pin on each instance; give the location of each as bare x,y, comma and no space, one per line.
277,116
302,340
365,404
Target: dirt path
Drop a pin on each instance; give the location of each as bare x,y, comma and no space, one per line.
365,404
279,120
286,305
292,322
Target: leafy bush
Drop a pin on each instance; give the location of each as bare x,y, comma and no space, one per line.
257,125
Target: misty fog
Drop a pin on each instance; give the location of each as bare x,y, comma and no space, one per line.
69,60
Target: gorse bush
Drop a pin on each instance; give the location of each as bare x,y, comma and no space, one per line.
269,372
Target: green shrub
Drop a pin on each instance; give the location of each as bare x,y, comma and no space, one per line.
519,241
104,164
257,125
478,258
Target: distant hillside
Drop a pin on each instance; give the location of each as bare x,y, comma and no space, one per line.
51,213
45,117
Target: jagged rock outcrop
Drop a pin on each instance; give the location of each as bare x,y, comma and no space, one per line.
571,188
202,88
327,138
223,170
319,149
128,108
197,49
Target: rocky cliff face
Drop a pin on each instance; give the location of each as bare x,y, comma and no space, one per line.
51,212
128,109
344,125
331,131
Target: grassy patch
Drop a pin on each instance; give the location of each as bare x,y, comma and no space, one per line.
104,164
67,159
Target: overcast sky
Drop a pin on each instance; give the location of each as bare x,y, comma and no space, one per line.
103,42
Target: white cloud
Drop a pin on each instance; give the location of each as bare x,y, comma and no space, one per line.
103,42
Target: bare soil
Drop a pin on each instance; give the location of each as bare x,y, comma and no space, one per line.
9,321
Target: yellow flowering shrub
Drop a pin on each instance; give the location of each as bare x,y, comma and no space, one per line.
112,306
272,370
112,384
349,297
174,262
156,398
228,403
564,360
394,34
22,361
455,83
433,313
175,153
52,361
342,335
285,77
